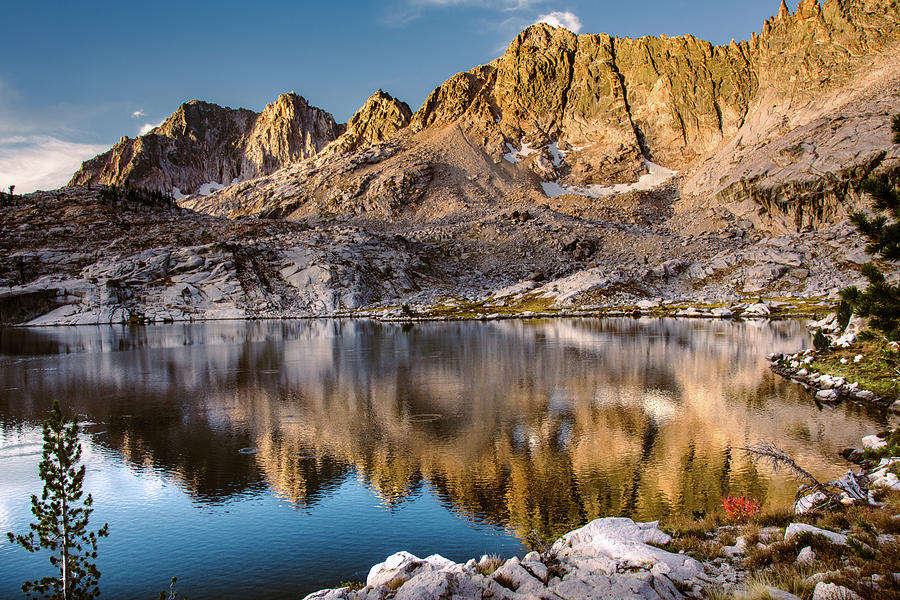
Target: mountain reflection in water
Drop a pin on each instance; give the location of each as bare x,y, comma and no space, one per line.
541,424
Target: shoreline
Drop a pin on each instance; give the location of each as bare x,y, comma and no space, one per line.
774,309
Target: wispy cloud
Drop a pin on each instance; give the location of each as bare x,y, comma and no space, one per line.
138,114
407,11
147,127
41,162
561,19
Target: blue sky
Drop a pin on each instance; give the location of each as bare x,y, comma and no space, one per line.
77,76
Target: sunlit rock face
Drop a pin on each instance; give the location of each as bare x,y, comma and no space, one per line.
379,119
202,144
532,425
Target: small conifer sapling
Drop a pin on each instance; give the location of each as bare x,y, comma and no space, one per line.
880,300
61,515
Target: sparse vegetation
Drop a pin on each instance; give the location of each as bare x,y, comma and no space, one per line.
505,581
876,370
155,198
488,564
353,586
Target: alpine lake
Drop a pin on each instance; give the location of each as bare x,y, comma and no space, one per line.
269,459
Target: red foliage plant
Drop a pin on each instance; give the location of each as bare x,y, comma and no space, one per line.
739,509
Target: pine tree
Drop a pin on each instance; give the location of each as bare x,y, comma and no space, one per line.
880,300
62,516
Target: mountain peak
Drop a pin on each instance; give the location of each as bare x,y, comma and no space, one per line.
380,118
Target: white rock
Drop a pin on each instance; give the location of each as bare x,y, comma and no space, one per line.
617,542
778,594
806,556
404,564
865,395
522,580
827,395
881,477
796,528
637,586
857,358
833,591
873,442
437,585
757,310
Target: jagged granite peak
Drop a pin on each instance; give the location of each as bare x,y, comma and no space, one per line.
379,119
618,99
286,131
203,142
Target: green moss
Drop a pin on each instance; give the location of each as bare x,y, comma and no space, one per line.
876,371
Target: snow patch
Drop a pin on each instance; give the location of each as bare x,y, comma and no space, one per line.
209,187
176,193
553,189
559,156
657,176
515,156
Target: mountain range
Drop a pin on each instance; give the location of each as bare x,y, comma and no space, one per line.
574,171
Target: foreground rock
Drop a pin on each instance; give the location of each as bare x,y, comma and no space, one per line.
607,558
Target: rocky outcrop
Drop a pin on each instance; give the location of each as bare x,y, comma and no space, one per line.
607,558
87,255
203,143
378,120
91,257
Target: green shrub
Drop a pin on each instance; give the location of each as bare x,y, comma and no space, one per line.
821,341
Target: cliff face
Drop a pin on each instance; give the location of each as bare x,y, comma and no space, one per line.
615,101
286,131
379,119
203,142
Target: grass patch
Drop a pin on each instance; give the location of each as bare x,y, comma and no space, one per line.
505,581
488,564
353,586
395,583
878,370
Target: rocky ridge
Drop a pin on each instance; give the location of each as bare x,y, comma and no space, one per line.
772,134
90,256
378,120
140,260
203,143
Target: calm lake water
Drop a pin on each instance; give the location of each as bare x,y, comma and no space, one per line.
268,459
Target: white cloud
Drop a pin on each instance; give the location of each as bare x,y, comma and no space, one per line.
138,113
561,19
41,162
146,127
